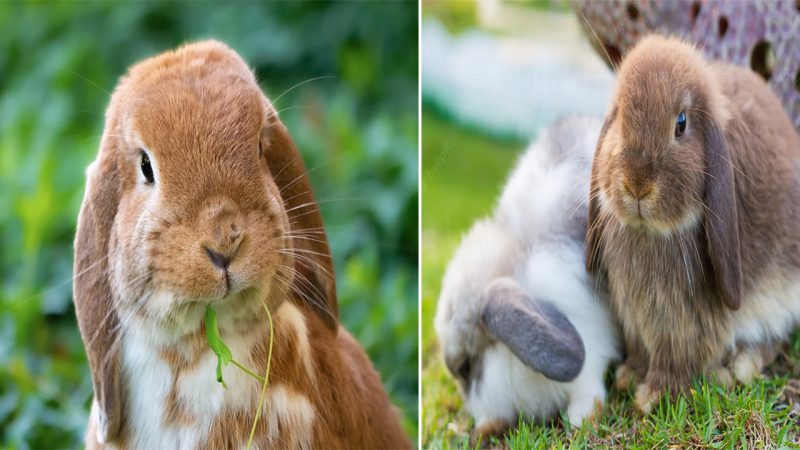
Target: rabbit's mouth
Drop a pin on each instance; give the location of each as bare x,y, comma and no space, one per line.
644,220
635,207
657,212
171,318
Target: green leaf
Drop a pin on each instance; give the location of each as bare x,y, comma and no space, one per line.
216,343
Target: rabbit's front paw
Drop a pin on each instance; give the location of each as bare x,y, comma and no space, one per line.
626,376
494,428
646,396
585,409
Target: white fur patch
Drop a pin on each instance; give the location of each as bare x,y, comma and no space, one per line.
286,410
202,396
508,387
90,169
149,380
770,313
291,317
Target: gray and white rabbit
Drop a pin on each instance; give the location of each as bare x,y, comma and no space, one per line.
523,327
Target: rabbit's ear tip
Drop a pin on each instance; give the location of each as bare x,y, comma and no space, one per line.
98,417
102,428
90,169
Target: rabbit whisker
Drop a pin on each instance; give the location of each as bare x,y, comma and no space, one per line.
325,201
8,304
300,281
307,259
293,107
300,177
303,238
286,165
90,82
314,236
682,250
598,41
121,328
322,77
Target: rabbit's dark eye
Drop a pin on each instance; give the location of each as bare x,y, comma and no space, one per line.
147,170
464,369
680,124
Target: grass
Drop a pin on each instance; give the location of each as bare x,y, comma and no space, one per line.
463,173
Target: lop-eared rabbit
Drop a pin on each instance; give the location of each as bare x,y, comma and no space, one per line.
523,327
693,219
199,198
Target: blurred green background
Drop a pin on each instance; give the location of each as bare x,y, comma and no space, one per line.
357,131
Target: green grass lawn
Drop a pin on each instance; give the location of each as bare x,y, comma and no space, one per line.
462,174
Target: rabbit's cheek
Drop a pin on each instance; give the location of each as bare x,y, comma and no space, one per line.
264,255
129,251
180,265
678,205
264,266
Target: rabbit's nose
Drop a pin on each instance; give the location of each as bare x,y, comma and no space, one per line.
227,233
637,190
218,259
223,246
222,230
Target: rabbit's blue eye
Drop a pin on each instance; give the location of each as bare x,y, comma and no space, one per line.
680,124
147,169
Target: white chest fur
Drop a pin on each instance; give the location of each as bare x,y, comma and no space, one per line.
153,390
771,312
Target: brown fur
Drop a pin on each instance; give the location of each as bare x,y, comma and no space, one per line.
347,415
227,178
717,214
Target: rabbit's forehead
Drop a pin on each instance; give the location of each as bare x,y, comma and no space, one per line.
181,115
648,109
201,137
650,91
658,81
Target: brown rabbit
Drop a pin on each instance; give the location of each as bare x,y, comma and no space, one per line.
198,197
694,213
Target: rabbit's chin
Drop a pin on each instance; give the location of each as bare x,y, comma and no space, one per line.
651,215
172,318
645,221
659,227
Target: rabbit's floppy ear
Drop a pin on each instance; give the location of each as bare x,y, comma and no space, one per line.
593,232
721,219
536,332
97,319
314,282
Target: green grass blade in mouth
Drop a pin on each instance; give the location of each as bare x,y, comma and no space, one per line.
217,345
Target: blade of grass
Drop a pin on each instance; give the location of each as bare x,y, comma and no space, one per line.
216,343
266,380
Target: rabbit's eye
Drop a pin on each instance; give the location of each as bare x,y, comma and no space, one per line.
260,150
680,124
147,170
464,369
